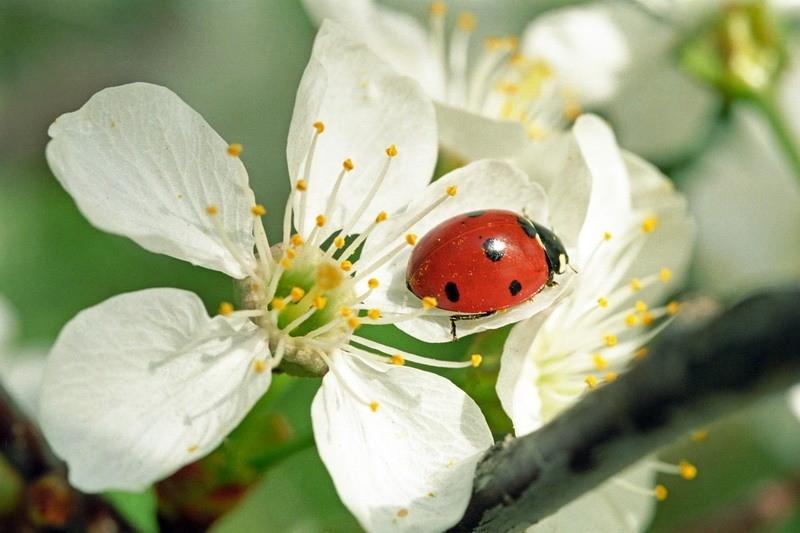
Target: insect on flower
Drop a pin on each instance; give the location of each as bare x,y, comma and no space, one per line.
481,262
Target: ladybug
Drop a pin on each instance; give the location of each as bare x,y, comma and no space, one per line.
481,262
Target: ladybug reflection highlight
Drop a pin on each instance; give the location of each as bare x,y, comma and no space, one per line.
485,261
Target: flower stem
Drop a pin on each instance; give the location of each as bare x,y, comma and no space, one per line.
768,106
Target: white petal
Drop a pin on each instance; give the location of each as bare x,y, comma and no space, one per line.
747,203
481,185
794,400
141,163
586,45
365,107
395,37
21,373
472,136
610,200
518,374
608,508
409,465
144,383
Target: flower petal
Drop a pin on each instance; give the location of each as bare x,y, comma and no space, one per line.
481,185
794,400
365,108
144,383
141,163
518,374
395,37
610,200
21,375
407,466
472,136
609,508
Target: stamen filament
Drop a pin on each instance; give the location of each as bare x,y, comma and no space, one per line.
406,355
307,177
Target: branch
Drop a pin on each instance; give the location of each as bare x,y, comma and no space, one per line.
693,375
46,499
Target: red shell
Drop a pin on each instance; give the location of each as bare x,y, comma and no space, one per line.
479,262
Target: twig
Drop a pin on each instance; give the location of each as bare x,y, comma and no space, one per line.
692,376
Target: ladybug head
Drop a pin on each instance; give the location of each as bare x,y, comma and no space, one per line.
557,258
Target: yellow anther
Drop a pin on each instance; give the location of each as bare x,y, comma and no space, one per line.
258,210
411,239
278,303
398,359
660,492
321,220
338,242
374,406
403,512
636,284
297,294
374,314
507,87
259,366
673,308
193,448
373,283
320,302
429,302
590,381
599,361
212,210
687,470
649,224
235,149
466,21
345,311
648,318
607,235
348,165
572,110
353,322
602,302
381,217
291,253
665,275
301,185
698,435
641,353
535,131
319,126
286,263
438,9
329,276
225,309
640,306
346,265
297,240
610,376
452,190
391,150
631,320
610,340
476,359
493,43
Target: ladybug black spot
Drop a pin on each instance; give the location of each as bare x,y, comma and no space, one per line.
527,226
451,291
476,214
494,249
514,287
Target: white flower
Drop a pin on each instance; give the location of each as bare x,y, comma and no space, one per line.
747,201
794,400
489,103
146,382
621,60
20,368
636,241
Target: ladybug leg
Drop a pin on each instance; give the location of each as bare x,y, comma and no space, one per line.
457,318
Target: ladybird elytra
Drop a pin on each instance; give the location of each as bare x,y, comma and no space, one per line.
484,261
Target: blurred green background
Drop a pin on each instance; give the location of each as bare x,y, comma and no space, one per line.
238,64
